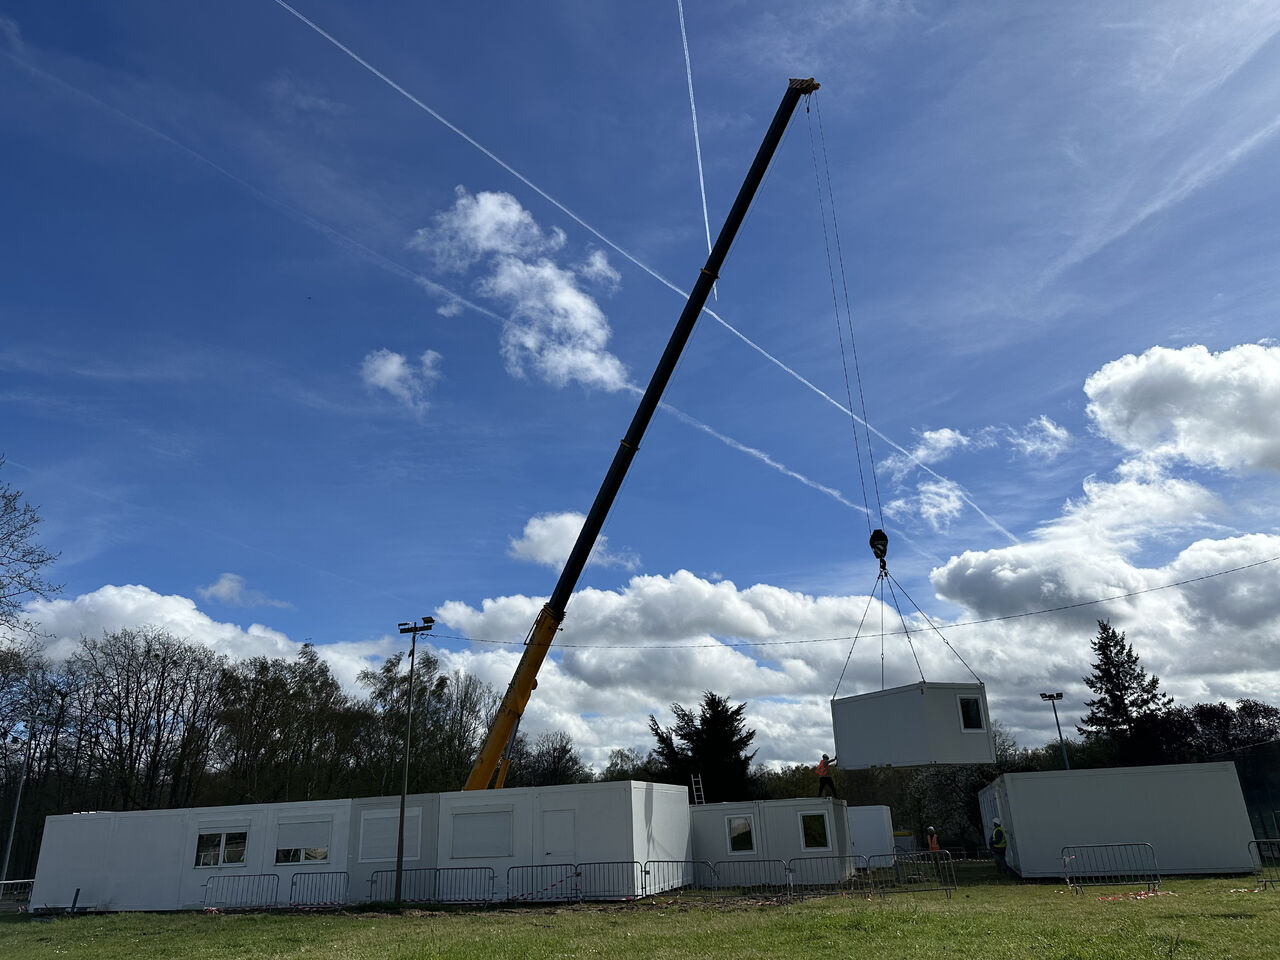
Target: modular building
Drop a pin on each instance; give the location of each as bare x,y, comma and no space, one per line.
750,842
1192,814
914,725
870,831
343,851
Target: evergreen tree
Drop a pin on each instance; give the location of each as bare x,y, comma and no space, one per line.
1126,695
712,743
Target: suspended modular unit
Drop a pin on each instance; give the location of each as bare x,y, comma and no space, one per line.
921,723
1192,814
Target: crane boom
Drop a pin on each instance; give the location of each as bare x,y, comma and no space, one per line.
492,756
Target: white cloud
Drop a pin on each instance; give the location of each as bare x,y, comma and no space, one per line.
934,445
483,224
549,537
386,370
1041,439
1212,409
111,608
554,330
937,502
597,269
230,588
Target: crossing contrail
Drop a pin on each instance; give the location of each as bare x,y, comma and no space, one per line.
697,141
628,255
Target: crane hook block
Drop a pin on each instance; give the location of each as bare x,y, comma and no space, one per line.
879,544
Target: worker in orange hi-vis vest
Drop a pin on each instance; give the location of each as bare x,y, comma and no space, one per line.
823,770
932,836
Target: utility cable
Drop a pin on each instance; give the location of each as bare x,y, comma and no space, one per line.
883,632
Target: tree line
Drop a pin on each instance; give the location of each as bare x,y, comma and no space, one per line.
140,719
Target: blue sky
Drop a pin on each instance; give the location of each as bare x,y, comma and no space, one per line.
287,358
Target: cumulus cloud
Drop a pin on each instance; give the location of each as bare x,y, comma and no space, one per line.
548,538
1217,410
386,370
231,589
112,608
555,331
482,224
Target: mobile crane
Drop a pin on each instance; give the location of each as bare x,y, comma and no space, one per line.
495,752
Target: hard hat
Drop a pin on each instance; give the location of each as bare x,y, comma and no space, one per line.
825,757
996,821
930,830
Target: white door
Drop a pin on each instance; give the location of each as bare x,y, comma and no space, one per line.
558,842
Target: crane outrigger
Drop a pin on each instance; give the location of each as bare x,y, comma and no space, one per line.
495,752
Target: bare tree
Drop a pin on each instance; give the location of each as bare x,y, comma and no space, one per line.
22,560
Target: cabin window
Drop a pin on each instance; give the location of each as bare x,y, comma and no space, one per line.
813,831
741,838
380,831
217,849
303,842
971,714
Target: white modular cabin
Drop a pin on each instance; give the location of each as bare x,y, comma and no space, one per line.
914,725
1192,814
750,841
329,852
163,859
539,830
870,831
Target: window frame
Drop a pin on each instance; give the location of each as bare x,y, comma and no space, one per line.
728,834
222,833
826,829
982,714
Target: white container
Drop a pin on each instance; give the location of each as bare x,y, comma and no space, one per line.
870,831
1193,814
915,725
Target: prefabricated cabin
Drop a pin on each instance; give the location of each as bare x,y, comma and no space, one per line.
1192,814
913,725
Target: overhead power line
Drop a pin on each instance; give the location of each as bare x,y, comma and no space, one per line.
883,633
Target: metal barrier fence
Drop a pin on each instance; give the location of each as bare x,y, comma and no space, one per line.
252,891
434,885
544,883
1266,857
1111,865
662,876
827,875
326,889
15,894
918,872
752,877
613,880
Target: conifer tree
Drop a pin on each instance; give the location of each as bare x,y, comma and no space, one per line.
1125,693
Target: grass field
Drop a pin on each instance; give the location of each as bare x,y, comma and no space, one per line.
1212,918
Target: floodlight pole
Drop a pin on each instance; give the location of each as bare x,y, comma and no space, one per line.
413,628
1053,699
22,782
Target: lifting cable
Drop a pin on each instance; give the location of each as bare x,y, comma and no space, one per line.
878,541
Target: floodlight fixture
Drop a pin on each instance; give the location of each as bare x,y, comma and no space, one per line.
1052,699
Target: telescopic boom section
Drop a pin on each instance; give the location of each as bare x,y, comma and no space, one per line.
494,754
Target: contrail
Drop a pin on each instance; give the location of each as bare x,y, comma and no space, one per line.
622,251
697,141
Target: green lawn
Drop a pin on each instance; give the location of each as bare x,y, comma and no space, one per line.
1212,918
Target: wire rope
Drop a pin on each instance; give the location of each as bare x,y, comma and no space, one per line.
870,596
935,629
835,303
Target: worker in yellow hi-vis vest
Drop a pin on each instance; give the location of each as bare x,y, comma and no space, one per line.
999,846
823,770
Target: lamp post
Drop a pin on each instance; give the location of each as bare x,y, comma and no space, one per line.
414,628
1053,699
